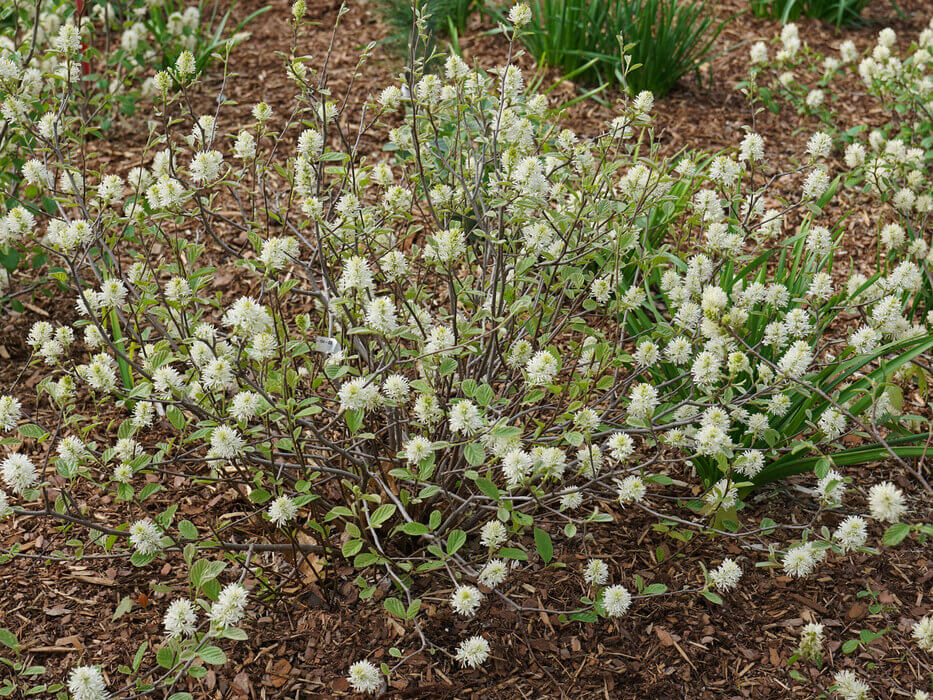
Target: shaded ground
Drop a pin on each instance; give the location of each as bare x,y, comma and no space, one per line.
679,647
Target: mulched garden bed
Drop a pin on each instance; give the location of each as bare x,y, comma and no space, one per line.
302,640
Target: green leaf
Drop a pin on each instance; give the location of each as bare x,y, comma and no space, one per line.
712,597
484,395
138,657
213,655
123,607
165,656
849,646
487,487
455,540
414,529
8,639
188,530
381,514
351,548
512,553
259,496
895,534
474,453
31,430
544,545
354,420
394,606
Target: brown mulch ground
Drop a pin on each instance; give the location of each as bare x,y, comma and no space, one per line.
302,642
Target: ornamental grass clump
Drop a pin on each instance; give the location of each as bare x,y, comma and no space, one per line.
662,40
444,363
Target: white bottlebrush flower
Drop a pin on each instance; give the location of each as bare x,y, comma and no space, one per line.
831,489
892,236
180,620
358,394
847,51
11,410
364,677
850,687
381,315
811,641
815,184
864,340
418,449
678,351
282,511
227,610
801,559
18,472
795,362
851,533
616,600
815,98
922,631
519,15
646,354
631,489
832,423
620,446
245,405
643,401
886,502
759,53
185,65
446,246
493,574
262,112
541,368
596,573
571,501
465,600
277,252
726,575
750,463
226,442
466,418
752,148
493,533
473,652
586,420
247,318
87,683
145,537
820,145
245,146
396,388
855,155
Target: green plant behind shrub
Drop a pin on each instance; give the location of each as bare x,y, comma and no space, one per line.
581,37
839,12
442,18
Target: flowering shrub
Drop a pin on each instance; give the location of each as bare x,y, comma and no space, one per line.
892,165
439,363
53,52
